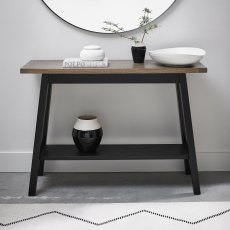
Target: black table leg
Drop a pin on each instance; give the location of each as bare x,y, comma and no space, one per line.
186,115
45,130
40,133
182,126
41,168
187,167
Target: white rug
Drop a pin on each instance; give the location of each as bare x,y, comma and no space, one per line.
124,216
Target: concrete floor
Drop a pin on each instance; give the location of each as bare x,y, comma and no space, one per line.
114,187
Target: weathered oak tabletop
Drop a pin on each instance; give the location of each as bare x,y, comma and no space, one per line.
115,67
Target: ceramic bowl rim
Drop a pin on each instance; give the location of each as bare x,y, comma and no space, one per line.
158,52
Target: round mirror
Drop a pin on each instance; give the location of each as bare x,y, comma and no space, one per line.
90,14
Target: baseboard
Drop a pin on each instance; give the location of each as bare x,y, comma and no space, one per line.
21,162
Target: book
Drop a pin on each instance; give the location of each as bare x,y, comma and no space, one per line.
78,63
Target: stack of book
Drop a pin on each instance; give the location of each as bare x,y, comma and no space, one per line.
78,63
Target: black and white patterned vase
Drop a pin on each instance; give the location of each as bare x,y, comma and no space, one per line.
87,134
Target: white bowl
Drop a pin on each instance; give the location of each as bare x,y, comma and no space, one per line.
181,56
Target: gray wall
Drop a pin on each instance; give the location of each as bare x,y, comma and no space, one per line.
128,113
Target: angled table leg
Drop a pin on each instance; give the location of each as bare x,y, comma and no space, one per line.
191,164
45,129
40,133
182,126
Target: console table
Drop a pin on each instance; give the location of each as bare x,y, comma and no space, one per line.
119,72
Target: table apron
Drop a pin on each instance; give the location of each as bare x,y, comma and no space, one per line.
113,78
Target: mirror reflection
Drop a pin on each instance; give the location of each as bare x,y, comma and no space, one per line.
90,14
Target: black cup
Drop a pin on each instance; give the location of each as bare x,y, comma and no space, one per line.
138,54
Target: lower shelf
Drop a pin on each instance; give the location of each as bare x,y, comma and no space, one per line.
116,152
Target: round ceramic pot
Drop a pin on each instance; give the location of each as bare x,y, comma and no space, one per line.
87,134
138,53
92,53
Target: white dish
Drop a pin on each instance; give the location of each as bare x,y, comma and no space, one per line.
181,56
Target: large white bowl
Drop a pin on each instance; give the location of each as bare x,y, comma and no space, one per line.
181,56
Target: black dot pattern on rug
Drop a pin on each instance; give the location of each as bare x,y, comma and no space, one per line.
117,218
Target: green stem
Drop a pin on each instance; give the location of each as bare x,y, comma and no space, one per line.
143,37
145,15
123,36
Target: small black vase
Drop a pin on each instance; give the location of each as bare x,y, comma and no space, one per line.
87,134
138,53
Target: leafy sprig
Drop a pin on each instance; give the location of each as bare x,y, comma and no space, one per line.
144,22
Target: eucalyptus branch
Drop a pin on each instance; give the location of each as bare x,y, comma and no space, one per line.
110,29
116,25
147,30
144,21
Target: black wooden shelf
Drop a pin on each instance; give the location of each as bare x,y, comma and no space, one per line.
116,152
